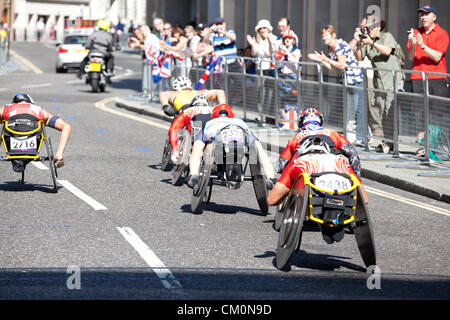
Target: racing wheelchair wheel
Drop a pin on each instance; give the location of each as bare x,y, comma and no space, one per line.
199,194
52,164
167,153
259,186
363,232
289,238
179,170
279,214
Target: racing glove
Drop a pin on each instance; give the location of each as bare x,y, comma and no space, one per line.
169,110
281,163
350,152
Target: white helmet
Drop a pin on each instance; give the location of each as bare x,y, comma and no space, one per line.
200,100
181,83
313,144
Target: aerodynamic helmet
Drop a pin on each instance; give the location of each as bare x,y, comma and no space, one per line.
200,100
181,83
103,24
222,110
310,116
313,144
22,97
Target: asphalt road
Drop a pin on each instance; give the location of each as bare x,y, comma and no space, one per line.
118,221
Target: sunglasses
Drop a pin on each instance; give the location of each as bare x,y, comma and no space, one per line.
167,28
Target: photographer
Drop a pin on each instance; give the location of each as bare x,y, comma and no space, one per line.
380,48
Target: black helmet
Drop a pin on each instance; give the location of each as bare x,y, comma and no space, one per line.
22,97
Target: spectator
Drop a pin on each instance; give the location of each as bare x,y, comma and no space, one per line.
204,48
284,26
191,46
288,56
158,28
263,47
178,44
426,48
250,66
40,27
379,47
340,56
137,41
167,34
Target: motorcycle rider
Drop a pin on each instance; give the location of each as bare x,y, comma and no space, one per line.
301,155
222,116
181,97
22,103
100,41
199,111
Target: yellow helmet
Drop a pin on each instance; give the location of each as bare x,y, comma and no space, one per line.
103,24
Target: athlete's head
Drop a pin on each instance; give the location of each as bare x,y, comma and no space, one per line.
103,24
310,119
22,97
181,83
200,100
222,110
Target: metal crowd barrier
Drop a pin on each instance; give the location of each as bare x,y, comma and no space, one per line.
261,94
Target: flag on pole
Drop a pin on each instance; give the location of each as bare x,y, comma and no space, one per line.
212,64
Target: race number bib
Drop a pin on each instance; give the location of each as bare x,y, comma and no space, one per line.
333,182
232,134
27,144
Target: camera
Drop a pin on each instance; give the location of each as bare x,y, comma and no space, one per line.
363,34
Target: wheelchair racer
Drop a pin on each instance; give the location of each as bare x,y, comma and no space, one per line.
317,151
173,102
199,112
22,103
222,116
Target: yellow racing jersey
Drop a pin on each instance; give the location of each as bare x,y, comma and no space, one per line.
183,98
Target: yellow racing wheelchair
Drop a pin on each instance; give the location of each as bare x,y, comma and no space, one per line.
22,137
335,202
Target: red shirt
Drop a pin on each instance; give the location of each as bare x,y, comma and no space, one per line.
183,120
313,163
437,39
294,143
22,108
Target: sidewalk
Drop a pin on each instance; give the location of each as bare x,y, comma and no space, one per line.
404,172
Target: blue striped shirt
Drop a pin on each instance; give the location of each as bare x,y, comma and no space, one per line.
354,75
223,46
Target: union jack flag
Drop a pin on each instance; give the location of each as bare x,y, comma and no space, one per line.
212,64
288,118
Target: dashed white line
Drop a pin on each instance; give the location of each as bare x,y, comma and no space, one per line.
37,85
80,194
40,165
167,278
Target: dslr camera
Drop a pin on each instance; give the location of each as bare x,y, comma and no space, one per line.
363,34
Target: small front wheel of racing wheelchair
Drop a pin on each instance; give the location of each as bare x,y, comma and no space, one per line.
52,163
181,168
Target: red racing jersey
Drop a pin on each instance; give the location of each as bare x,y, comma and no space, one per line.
13,109
314,163
333,138
184,120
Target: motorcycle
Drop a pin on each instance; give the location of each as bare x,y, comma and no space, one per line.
96,71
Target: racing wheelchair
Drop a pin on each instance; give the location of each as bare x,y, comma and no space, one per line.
23,136
225,160
332,200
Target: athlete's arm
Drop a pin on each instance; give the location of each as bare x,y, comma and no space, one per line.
167,96
60,125
217,94
177,124
277,194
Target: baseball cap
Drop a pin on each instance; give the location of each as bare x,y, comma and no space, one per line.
201,26
219,20
428,8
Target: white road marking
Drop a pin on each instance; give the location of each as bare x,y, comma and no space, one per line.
37,85
167,278
80,194
40,165
4,89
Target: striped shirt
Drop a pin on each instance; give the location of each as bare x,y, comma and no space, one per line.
354,75
223,46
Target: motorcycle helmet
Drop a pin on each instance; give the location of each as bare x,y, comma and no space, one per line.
200,100
222,110
181,83
103,24
310,117
22,97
